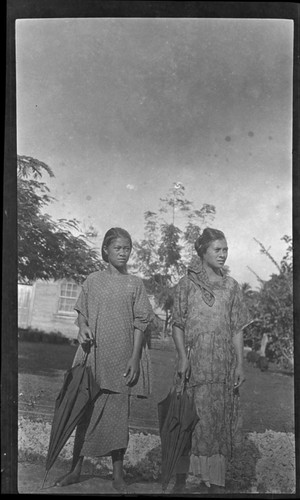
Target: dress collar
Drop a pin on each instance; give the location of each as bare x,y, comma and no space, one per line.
197,274
113,270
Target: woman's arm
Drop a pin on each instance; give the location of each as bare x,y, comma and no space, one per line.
133,366
239,320
84,330
238,342
183,367
138,337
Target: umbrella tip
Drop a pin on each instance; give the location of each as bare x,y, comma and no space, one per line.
45,477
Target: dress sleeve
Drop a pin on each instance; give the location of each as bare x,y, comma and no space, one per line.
240,315
142,310
180,305
81,305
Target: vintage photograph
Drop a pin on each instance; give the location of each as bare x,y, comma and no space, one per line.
155,255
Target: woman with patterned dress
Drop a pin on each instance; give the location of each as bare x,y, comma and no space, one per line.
209,316
114,311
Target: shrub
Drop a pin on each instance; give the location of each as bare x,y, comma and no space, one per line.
241,469
35,335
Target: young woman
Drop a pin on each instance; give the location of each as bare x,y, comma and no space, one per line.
209,315
113,310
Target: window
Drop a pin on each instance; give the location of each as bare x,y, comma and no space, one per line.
69,292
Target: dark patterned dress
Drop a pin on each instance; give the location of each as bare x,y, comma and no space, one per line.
211,313
113,304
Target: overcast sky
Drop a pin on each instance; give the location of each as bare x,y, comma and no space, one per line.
120,109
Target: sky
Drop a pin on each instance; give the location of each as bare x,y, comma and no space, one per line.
123,108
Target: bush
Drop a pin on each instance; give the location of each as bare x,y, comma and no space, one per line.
241,469
148,468
35,335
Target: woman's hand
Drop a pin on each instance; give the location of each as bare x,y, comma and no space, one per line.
85,337
239,376
132,370
184,367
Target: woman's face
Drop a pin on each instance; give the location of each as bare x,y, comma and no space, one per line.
118,252
216,254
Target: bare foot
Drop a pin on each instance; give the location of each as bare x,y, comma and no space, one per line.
70,478
120,485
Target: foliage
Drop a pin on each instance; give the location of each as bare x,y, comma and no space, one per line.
47,249
162,256
275,469
241,469
35,335
148,468
272,304
264,464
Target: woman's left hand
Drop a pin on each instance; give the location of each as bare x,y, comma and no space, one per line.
239,376
132,371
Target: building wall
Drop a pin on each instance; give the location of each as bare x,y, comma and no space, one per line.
45,314
25,301
42,310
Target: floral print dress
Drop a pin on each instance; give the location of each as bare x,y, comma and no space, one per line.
210,314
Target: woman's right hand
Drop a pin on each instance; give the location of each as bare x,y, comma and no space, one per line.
85,336
184,367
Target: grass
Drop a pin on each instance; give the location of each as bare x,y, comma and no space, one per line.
266,398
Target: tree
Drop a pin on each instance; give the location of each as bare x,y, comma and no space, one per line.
273,304
47,249
168,244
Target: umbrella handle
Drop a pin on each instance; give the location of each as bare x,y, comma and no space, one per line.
188,353
180,387
89,344
85,358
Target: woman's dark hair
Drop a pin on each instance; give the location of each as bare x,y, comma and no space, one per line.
204,240
111,235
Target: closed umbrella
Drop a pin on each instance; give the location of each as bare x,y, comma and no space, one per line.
177,418
78,390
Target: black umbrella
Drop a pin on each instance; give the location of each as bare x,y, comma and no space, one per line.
78,390
177,419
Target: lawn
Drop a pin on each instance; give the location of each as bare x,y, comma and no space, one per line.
264,464
267,397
